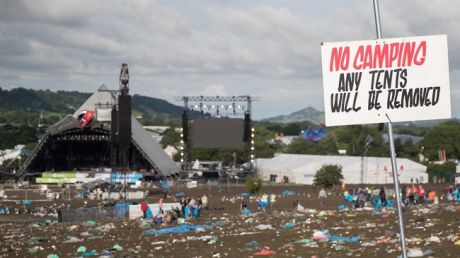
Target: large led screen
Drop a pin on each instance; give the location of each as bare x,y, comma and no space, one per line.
221,133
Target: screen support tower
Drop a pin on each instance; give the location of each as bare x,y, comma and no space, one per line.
217,105
121,126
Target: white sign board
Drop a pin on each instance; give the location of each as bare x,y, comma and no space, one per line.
406,79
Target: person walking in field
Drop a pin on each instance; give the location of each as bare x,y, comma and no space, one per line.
383,196
144,209
322,197
421,194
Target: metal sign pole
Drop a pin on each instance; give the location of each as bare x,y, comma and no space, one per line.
397,191
392,149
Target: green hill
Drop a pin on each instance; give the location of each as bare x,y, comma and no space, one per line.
306,114
22,106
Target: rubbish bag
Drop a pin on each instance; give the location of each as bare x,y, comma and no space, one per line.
117,247
214,240
178,229
264,252
196,212
26,202
148,213
287,193
91,222
246,211
89,254
415,252
81,249
321,235
303,241
186,212
288,226
253,243
352,239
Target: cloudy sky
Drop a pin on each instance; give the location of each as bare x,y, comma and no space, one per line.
269,49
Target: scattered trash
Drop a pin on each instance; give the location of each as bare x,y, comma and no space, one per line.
35,249
214,240
287,193
245,194
264,227
89,254
288,226
321,235
26,202
434,239
81,249
352,239
304,241
264,252
117,247
340,247
253,243
91,222
178,229
144,224
72,239
180,194
428,252
414,252
289,231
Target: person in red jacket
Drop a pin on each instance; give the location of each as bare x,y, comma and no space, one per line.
144,208
421,194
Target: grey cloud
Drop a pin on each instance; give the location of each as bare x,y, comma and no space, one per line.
248,48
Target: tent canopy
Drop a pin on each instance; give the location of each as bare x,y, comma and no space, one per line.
301,169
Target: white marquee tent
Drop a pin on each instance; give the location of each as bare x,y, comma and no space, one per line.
301,169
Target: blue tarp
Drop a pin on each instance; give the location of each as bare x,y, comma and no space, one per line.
287,193
252,244
352,239
148,213
165,185
195,212
4,210
245,194
246,211
122,209
180,194
263,204
334,238
26,202
390,204
186,212
89,254
288,226
349,198
178,229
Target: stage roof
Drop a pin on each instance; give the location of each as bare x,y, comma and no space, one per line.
151,150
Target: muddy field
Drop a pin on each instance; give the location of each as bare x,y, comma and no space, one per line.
225,232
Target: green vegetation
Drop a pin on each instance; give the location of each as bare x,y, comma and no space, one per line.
21,135
446,137
328,176
442,171
170,137
23,108
254,185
